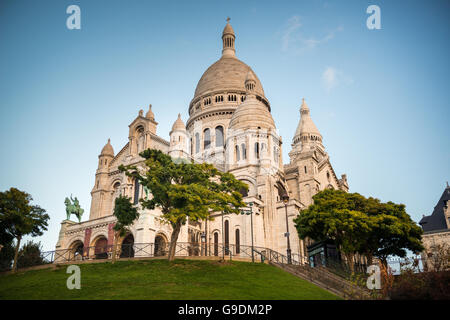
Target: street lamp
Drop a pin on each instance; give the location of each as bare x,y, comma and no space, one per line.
285,199
203,239
251,223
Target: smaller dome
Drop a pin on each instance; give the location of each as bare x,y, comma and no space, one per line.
251,114
107,149
178,124
150,115
228,29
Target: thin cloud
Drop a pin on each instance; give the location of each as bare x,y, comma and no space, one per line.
292,38
333,78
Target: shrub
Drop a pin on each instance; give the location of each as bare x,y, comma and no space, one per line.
30,255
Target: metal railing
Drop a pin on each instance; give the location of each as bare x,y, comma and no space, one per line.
182,249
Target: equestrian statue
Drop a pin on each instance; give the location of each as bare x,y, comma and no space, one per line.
73,208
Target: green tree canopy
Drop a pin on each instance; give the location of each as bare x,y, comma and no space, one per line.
126,214
359,225
18,217
184,190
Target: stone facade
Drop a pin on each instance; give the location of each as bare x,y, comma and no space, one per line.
230,125
436,229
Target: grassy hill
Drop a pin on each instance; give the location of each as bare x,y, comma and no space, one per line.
159,279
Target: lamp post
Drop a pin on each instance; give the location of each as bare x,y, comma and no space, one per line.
285,199
251,225
203,239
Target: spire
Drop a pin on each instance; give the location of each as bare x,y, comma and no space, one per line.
307,132
107,149
150,115
178,124
228,38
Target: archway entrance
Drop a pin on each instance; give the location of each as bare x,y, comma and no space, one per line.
127,249
76,250
101,248
160,245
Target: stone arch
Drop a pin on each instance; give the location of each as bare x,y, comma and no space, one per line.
100,244
127,246
160,244
76,250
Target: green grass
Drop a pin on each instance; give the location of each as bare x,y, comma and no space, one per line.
159,279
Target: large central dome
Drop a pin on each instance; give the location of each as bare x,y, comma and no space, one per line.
221,89
228,73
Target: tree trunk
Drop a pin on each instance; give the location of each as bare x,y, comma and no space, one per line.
173,239
369,259
114,251
350,263
16,254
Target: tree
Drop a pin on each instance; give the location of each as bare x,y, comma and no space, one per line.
126,214
360,225
6,256
19,218
333,216
30,255
393,232
185,190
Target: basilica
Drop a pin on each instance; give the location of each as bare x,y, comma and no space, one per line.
230,125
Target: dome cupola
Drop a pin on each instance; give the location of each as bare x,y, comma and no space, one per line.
228,39
252,113
107,149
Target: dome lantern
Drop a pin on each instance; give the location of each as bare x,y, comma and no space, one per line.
228,39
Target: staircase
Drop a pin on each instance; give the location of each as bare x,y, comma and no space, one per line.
326,280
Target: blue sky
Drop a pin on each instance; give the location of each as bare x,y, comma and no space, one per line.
379,97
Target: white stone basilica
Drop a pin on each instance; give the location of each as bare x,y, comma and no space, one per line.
230,125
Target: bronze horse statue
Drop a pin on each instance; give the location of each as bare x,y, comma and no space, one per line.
73,208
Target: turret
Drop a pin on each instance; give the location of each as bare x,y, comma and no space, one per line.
101,187
179,141
307,136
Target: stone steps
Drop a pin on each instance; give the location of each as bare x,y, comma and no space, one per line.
327,280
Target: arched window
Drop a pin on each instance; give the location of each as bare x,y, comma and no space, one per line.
216,243
256,150
238,242
136,191
197,142
236,153
244,151
227,236
219,136
206,139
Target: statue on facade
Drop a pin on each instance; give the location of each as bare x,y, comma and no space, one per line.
73,208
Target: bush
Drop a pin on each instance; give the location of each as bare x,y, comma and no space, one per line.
6,257
30,255
421,286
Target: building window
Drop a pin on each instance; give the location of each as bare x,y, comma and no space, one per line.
257,150
236,153
136,191
227,236
238,242
216,243
206,139
244,151
219,136
197,142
